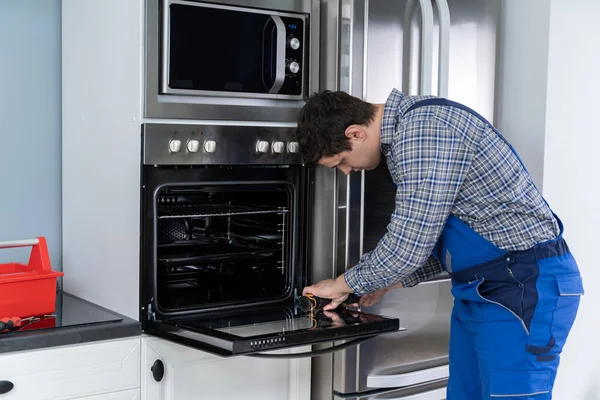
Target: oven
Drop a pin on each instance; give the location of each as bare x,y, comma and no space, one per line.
225,233
235,60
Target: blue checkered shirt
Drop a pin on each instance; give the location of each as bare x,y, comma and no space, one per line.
445,161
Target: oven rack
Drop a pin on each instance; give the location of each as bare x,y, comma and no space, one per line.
168,212
233,255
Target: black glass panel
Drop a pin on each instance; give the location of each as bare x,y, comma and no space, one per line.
265,328
220,50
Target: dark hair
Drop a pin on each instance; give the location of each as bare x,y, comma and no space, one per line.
323,120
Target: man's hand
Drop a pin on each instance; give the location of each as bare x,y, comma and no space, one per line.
370,299
335,289
373,298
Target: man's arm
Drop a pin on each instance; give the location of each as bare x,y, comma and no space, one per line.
431,269
433,162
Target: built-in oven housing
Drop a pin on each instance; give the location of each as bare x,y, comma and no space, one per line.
234,60
225,238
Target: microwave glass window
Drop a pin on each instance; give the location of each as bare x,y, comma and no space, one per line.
220,50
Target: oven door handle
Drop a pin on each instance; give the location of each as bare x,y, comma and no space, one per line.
315,353
279,55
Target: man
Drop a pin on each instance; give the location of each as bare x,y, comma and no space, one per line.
464,203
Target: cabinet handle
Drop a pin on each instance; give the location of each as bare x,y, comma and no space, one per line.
6,386
158,370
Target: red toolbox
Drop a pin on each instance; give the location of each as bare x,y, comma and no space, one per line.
28,290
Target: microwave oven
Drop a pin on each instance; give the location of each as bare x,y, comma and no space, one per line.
236,60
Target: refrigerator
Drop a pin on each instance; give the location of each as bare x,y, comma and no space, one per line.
440,47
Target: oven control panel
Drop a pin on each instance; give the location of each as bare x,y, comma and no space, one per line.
168,144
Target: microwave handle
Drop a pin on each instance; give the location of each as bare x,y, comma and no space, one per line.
279,55
315,353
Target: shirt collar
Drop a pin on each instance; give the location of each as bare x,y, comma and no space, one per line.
389,120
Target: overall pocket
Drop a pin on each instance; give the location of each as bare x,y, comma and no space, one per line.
519,384
570,290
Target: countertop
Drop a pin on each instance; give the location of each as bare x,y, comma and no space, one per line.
74,321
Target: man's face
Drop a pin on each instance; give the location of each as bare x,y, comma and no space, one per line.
361,157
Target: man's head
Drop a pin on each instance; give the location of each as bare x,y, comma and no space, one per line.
339,130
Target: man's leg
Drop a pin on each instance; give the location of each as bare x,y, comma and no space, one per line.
464,381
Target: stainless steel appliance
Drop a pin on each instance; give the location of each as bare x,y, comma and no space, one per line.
234,60
225,214
420,47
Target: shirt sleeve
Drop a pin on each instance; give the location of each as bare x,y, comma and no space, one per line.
431,164
430,269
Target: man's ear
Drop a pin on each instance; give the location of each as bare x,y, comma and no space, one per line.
356,132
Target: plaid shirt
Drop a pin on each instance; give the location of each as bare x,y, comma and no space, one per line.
445,161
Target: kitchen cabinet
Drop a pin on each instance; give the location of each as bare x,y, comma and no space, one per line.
188,373
106,370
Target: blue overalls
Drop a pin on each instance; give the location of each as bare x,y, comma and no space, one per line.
512,310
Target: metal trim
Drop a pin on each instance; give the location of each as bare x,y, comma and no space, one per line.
280,65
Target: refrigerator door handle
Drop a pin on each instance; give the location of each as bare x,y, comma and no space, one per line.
426,49
444,47
408,378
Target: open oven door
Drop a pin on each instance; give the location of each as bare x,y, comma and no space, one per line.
251,332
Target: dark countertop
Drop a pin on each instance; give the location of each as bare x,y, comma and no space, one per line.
75,321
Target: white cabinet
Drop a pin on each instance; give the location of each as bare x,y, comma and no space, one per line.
107,370
189,373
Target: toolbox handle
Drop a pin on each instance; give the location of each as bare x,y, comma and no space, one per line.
19,243
39,259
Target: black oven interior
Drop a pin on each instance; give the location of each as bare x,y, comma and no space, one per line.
220,244
220,237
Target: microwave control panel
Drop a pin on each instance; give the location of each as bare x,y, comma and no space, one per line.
294,56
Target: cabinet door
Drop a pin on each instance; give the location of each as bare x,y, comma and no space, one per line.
189,373
72,372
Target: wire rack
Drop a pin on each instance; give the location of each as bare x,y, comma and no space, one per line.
215,210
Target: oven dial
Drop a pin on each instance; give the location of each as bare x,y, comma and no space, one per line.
174,146
293,147
193,146
262,146
294,43
278,147
293,67
210,146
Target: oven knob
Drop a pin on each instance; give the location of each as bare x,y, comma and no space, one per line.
174,146
262,146
193,146
293,67
293,147
278,147
210,146
294,43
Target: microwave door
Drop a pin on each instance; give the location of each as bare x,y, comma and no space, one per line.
249,332
219,50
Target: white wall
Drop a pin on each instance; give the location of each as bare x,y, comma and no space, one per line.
572,175
30,125
548,107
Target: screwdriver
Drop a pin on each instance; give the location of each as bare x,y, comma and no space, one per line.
311,302
7,324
